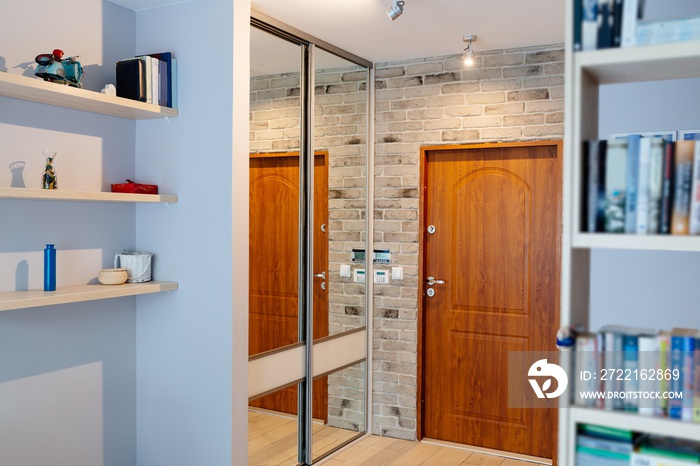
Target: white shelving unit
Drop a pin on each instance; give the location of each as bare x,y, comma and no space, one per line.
36,90
585,73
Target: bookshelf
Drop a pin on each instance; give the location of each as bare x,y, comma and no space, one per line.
585,73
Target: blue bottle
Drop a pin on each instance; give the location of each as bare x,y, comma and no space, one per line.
49,268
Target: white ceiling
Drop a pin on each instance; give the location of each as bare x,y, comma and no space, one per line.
427,28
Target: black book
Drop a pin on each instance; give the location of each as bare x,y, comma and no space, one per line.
131,79
606,22
667,186
578,17
617,24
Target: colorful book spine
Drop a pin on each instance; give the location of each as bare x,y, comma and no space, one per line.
680,219
630,346
667,187
643,176
633,143
615,185
695,193
656,174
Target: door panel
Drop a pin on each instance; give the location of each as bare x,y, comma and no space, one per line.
496,212
274,259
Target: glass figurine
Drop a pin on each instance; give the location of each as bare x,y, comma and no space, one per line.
49,180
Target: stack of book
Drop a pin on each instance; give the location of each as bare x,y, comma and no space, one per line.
601,24
653,373
641,185
603,446
149,78
654,450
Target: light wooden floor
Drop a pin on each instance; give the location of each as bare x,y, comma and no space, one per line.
384,451
272,441
272,438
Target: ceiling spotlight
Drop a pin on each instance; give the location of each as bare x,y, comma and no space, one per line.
469,52
396,9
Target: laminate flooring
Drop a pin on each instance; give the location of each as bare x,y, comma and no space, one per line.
272,441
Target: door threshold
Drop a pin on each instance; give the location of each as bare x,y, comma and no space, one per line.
489,451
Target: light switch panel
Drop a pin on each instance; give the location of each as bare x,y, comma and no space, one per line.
397,273
345,270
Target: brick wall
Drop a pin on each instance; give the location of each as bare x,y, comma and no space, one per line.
509,95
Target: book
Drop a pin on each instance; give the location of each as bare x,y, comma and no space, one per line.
646,459
152,86
665,31
694,225
606,22
667,187
696,383
630,348
630,15
633,142
599,444
643,178
656,174
648,364
586,360
612,359
168,77
578,13
605,432
595,185
589,25
680,217
682,365
664,340
131,79
615,185
669,449
617,23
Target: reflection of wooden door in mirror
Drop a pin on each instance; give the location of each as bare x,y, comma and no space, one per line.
274,265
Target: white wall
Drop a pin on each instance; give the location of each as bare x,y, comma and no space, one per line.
67,373
187,388
646,288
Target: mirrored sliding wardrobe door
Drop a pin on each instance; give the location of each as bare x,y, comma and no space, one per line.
308,233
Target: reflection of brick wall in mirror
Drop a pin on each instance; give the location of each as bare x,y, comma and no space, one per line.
340,127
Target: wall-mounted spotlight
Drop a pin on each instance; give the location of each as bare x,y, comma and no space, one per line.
469,51
396,9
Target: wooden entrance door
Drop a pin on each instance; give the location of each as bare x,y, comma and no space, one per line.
496,244
274,265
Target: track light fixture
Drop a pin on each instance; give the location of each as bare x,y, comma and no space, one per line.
396,9
469,52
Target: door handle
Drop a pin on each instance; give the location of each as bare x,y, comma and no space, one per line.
432,281
320,275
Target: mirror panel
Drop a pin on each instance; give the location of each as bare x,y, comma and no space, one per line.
340,129
345,407
275,113
273,436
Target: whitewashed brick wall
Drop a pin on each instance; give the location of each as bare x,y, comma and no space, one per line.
510,95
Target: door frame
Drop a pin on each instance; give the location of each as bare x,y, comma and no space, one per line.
423,163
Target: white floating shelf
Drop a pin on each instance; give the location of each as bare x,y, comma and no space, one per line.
636,64
634,422
10,300
89,196
37,90
638,242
